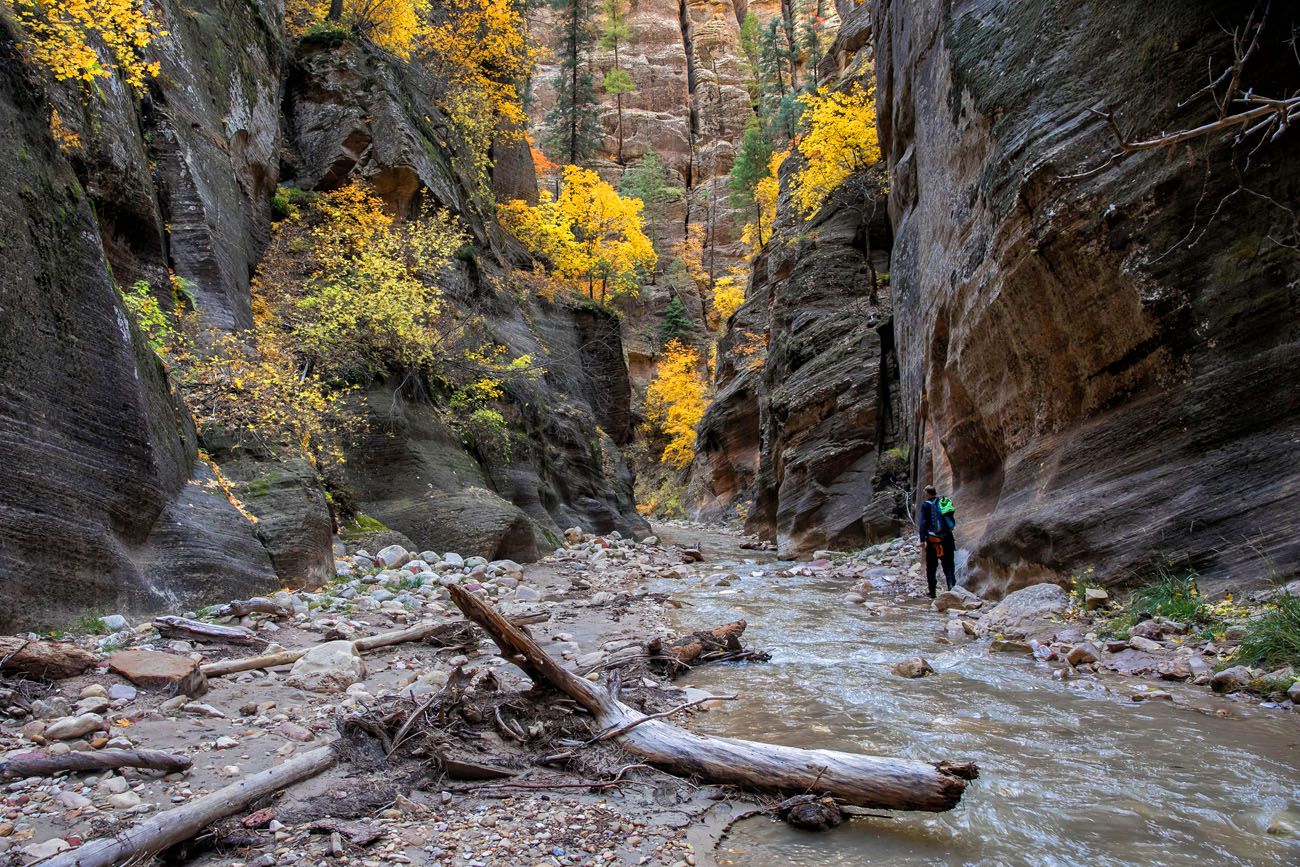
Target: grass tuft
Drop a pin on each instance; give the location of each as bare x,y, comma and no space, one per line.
1273,639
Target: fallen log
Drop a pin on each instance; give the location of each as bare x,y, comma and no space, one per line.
860,780
170,626
140,842
245,607
44,765
53,660
419,632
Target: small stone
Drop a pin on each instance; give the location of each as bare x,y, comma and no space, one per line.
1094,598
93,690
959,598
916,666
74,727
51,708
124,801
200,709
72,800
225,743
115,623
47,849
295,732
1294,693
1146,645
451,558
853,599
122,692
114,785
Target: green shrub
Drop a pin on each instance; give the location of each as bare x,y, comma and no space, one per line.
1174,596
1273,639
361,525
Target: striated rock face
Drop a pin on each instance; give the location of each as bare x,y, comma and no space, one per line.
1102,370
100,498
806,401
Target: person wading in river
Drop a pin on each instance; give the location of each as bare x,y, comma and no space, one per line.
935,527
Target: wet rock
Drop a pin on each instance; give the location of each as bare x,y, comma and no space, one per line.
1294,692
1132,662
1285,824
1177,668
1002,645
1026,613
916,666
1082,654
329,667
811,813
154,670
958,598
851,598
1231,679
73,727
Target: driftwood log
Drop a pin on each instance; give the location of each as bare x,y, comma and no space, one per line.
860,780
140,842
712,645
44,765
255,605
53,660
196,630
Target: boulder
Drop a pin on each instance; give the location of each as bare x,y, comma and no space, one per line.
393,556
1026,613
1146,645
152,669
1294,692
329,667
916,666
1231,679
1094,598
959,598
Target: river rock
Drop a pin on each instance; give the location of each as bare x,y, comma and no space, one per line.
73,727
452,559
1231,679
958,598
1294,693
916,666
46,849
329,667
154,670
1177,668
1148,629
573,535
1082,654
1146,645
393,556
1026,613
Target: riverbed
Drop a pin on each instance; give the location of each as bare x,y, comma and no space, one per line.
1071,772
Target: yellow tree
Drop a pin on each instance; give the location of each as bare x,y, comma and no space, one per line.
675,402
60,35
840,141
729,292
766,192
590,235
393,25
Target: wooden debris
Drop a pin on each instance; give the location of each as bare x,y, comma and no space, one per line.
713,645
867,781
140,842
44,765
245,607
170,626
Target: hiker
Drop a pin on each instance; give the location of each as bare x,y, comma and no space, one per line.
935,522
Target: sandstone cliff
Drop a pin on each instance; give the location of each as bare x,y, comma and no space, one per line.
104,503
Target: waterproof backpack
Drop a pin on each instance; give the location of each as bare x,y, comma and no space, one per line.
947,513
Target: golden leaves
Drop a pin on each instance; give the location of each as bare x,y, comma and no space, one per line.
840,141
60,36
675,402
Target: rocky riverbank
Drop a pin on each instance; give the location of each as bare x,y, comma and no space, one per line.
140,689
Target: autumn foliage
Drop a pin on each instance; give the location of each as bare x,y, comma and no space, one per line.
589,235
675,402
61,36
840,141
393,25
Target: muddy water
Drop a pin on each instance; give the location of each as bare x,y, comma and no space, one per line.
1071,774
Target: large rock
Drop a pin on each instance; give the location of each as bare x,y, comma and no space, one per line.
1027,613
153,670
329,667
41,660
958,598
1232,679
916,666
1067,344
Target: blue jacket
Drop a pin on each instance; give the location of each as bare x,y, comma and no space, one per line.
930,520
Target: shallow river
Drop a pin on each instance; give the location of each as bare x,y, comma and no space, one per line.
1070,774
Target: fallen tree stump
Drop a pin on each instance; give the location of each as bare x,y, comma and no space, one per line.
43,660
44,765
860,780
711,645
139,843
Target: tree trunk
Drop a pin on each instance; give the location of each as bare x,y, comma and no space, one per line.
53,660
864,781
336,10
141,842
45,765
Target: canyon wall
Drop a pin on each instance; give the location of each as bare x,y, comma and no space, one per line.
105,501
1101,370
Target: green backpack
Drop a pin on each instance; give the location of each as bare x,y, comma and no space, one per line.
948,512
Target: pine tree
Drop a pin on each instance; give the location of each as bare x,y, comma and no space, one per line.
615,32
751,162
677,322
648,180
573,125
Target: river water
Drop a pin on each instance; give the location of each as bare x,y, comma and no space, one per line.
1070,773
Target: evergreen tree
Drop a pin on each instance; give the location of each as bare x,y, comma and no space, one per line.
573,125
614,33
751,162
677,324
648,180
